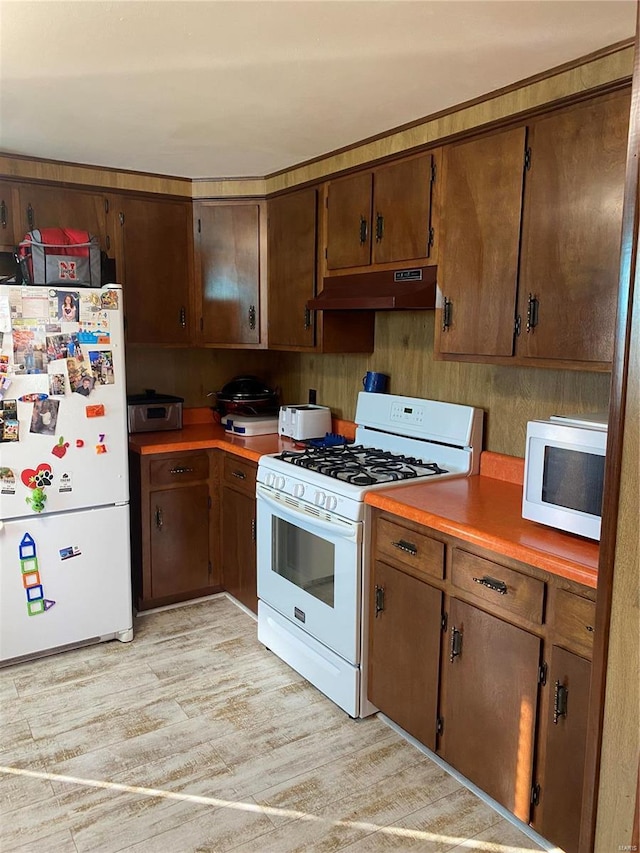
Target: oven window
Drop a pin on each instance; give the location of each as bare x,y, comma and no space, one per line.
304,559
573,479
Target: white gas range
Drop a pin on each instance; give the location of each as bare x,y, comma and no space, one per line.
312,537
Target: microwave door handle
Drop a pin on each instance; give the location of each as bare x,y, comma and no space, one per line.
338,529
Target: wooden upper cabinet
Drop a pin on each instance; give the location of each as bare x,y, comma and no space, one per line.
230,242
154,262
292,221
381,216
571,232
9,235
58,207
480,232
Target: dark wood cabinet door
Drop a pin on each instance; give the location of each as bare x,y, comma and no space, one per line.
228,241
572,222
349,221
57,207
155,266
179,521
292,268
490,705
402,211
558,815
404,651
8,232
239,547
478,256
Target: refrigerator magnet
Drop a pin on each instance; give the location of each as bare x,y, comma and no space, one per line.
7,482
94,411
37,477
79,443
60,448
65,483
69,552
101,448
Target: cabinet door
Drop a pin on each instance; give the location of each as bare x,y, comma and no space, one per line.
239,547
490,705
480,232
402,211
571,231
349,221
56,207
558,815
228,240
155,265
8,235
179,540
292,268
405,627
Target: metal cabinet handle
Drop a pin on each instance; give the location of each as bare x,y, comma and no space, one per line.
407,547
239,474
492,583
379,227
533,305
560,697
3,213
446,314
159,521
455,647
252,317
31,219
253,530
363,230
181,471
307,319
183,317
379,599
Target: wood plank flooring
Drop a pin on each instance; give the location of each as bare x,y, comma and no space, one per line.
194,738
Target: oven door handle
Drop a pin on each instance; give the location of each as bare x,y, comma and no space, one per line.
339,529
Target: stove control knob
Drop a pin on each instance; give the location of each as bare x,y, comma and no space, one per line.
298,490
319,499
270,478
332,502
279,483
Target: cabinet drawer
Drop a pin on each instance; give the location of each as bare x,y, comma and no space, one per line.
174,470
495,584
240,473
574,622
402,546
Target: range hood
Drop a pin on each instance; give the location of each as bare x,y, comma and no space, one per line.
378,291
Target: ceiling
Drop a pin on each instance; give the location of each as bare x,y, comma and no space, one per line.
238,88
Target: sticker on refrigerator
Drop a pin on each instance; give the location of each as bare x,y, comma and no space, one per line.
71,551
44,417
109,300
101,362
7,482
65,483
9,424
89,336
31,581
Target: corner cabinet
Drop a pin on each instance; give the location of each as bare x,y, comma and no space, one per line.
293,272
174,529
154,262
231,273
485,660
530,245
9,233
382,216
238,523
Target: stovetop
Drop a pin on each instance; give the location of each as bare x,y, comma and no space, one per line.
360,465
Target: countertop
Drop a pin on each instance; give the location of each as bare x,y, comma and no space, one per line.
483,509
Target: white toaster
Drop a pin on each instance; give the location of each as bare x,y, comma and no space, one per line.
302,422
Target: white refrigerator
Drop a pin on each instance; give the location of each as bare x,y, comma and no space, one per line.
65,577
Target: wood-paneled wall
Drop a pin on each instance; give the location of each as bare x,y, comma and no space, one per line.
510,396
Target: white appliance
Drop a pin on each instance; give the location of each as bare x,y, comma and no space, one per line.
564,473
64,489
250,424
305,421
312,536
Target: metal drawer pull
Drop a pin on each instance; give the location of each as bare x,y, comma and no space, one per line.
560,696
240,475
455,649
379,599
181,471
408,547
590,628
491,583
159,518
363,230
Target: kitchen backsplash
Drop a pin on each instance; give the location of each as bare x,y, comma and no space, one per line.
511,396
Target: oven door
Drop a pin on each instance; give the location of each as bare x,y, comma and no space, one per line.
309,569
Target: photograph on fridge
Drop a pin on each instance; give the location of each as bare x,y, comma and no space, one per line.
102,366
44,417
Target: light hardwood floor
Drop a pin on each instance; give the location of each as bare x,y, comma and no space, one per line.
194,738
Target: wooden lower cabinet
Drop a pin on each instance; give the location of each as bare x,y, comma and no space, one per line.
490,707
405,627
238,515
174,530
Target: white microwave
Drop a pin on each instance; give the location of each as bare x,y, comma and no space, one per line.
564,473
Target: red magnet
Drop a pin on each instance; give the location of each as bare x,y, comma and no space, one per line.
61,448
79,442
